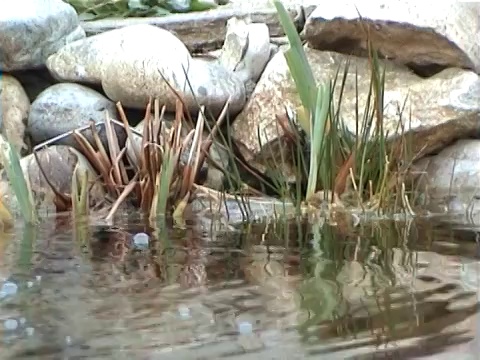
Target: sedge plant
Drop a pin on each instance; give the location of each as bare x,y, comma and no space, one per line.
359,165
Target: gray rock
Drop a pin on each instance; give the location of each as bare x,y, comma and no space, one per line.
131,72
410,32
14,109
209,84
450,181
454,170
443,108
32,30
65,107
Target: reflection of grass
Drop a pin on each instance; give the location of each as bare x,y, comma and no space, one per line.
350,273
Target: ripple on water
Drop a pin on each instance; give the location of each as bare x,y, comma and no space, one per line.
387,289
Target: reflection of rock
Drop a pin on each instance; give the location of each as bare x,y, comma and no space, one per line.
410,32
33,29
268,269
14,109
58,162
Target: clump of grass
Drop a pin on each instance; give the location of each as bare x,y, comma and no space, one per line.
99,9
364,167
156,180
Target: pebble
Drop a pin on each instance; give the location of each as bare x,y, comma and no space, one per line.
8,289
141,240
184,312
30,331
245,328
10,324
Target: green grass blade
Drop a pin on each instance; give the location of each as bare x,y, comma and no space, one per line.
19,183
298,63
319,122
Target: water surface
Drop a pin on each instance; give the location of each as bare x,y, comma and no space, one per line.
387,290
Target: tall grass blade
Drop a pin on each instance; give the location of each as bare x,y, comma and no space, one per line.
18,181
299,67
319,126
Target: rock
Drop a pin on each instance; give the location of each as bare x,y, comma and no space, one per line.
14,109
58,162
132,83
201,31
215,178
85,60
65,107
443,108
246,50
454,170
412,33
449,182
131,72
32,30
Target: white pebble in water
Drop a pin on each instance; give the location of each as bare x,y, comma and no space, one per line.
10,324
184,312
8,288
29,331
68,340
22,321
29,284
245,327
38,278
141,240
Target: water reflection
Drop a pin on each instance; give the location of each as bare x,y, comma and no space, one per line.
281,290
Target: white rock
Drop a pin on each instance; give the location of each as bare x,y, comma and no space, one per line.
86,59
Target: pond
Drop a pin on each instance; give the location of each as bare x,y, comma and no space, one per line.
272,290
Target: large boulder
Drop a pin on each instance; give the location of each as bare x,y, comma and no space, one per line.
436,110
131,72
32,30
425,36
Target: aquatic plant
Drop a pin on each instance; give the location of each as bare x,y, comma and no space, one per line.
158,181
99,9
19,183
364,168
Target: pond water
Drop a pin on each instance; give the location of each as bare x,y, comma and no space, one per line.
387,290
